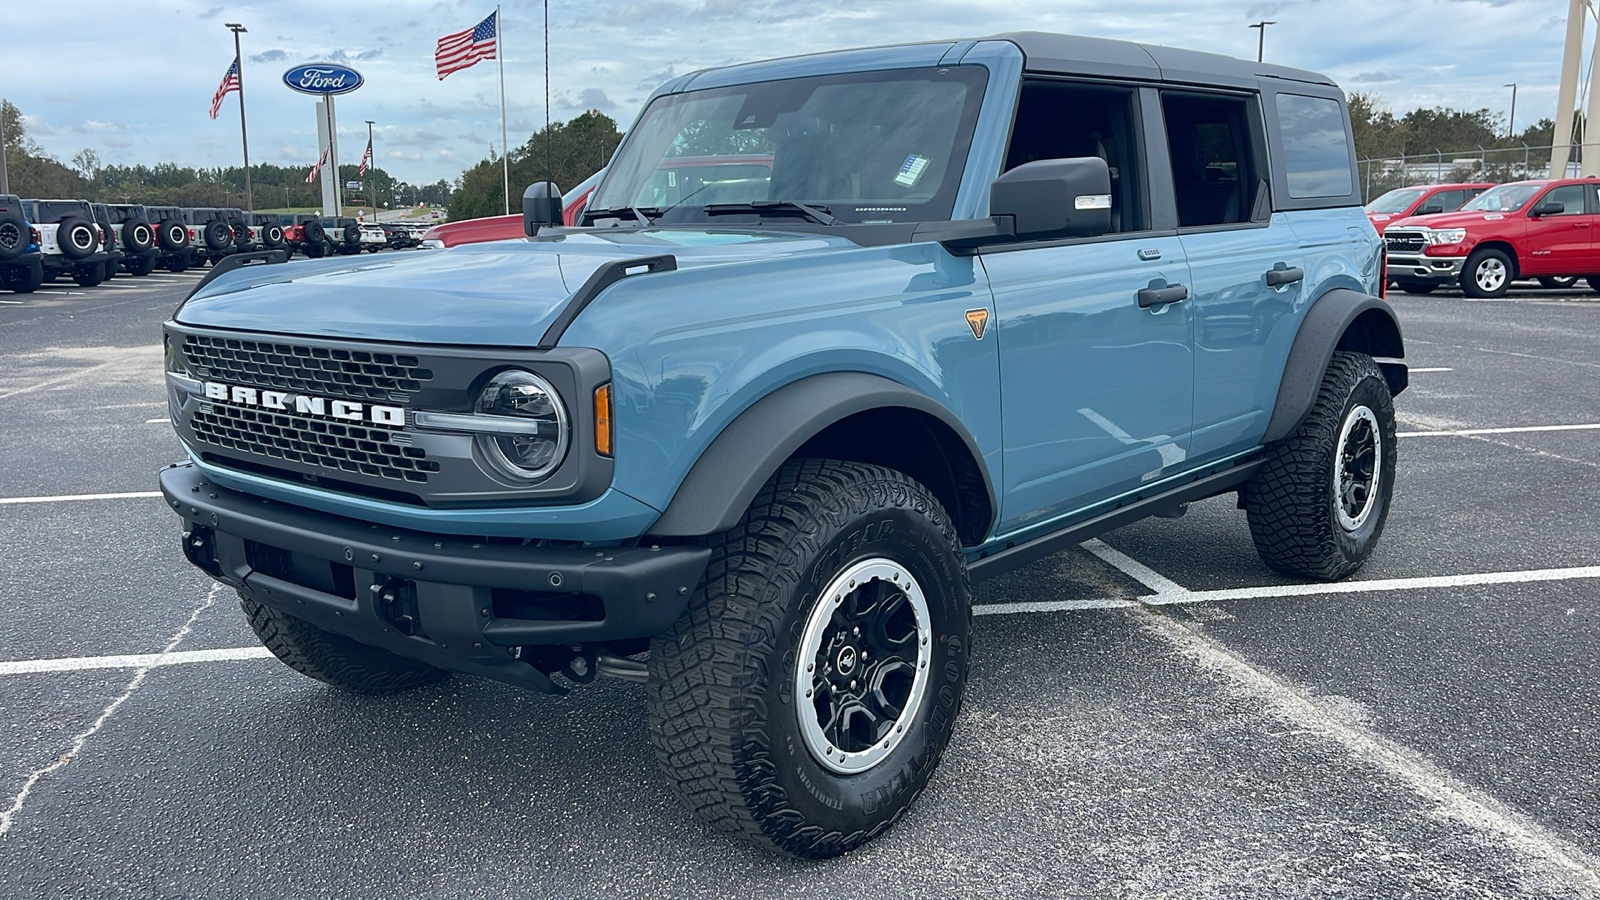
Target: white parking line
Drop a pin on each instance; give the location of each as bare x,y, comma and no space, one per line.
63,498
1522,429
154,421
1431,369
132,661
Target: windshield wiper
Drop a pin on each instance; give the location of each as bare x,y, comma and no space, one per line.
819,214
646,216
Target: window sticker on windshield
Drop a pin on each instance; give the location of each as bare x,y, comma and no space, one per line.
911,170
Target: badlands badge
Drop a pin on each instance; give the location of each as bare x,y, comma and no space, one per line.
977,319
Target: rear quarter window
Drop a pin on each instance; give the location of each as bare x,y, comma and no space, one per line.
1316,149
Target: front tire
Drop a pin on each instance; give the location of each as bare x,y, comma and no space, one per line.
805,697
1318,505
333,658
1488,273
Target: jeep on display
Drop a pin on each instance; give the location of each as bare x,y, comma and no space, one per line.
265,231
110,241
21,263
69,240
1421,200
175,248
749,444
1525,229
136,235
302,233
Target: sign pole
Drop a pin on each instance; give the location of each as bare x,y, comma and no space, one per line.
500,57
244,136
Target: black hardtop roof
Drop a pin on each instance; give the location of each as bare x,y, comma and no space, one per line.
1071,54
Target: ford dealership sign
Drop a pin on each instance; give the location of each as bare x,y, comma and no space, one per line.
323,78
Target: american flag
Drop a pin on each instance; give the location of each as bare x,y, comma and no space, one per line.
465,48
230,82
366,159
318,167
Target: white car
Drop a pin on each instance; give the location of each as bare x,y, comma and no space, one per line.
372,237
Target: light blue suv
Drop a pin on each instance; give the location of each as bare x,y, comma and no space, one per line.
837,335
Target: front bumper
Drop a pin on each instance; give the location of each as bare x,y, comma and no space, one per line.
1416,267
454,602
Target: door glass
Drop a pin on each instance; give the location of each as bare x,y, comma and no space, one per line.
1213,168
1057,120
1569,196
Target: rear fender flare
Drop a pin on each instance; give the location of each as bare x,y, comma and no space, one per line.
1341,319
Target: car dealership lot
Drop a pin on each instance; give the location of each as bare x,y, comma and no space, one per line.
1157,714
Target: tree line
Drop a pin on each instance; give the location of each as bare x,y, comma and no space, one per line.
35,173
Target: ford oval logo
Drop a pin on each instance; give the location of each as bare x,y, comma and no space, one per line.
323,78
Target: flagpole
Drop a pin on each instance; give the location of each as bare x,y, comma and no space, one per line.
500,57
244,137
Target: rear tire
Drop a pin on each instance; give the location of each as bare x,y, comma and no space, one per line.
1417,287
141,265
87,274
816,762
1594,283
1558,282
21,279
1488,273
1318,505
333,658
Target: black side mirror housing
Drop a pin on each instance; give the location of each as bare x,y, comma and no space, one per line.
1548,208
1429,210
1055,198
541,207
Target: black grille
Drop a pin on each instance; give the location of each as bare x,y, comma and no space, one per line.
1404,242
356,374
344,448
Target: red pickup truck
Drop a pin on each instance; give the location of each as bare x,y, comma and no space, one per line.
1420,200
1525,229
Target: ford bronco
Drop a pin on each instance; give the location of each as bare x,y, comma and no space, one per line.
748,438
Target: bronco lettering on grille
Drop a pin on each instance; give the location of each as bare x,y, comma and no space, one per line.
348,410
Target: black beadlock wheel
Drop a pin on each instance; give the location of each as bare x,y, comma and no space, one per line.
1318,505
805,697
333,658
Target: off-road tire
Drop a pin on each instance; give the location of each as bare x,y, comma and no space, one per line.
216,235
172,235
313,233
333,658
724,716
1292,502
1417,287
88,274
76,238
177,265
1495,276
141,265
138,236
14,238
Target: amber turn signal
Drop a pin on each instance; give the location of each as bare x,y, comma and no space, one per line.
602,420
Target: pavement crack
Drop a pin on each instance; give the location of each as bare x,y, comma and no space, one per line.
8,817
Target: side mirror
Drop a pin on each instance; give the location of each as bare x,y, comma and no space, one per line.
1429,210
1055,198
541,207
1548,208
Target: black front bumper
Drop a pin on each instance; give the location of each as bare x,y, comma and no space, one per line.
454,602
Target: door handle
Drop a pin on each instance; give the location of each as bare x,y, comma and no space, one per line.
1278,277
1149,297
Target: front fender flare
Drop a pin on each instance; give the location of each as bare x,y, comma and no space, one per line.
726,477
1339,319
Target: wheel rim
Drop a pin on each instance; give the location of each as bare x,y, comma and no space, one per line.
862,668
80,238
1358,468
1490,274
10,236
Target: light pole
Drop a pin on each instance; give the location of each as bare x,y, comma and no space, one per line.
5,182
1261,37
1511,120
244,138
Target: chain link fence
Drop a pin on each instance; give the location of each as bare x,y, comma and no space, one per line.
1495,166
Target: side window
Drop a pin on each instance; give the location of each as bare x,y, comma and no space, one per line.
1214,149
1449,201
1316,151
1063,120
1569,196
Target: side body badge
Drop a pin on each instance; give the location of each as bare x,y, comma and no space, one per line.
977,320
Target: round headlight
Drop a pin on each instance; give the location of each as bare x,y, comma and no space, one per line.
532,440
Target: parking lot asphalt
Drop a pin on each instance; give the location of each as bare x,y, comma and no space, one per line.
1153,714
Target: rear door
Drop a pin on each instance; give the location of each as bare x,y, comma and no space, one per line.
1560,243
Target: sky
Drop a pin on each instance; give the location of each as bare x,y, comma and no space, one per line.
134,81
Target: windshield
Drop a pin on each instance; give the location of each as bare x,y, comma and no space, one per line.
868,146
1505,198
1396,201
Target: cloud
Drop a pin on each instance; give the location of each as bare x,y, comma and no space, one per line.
210,13
594,98
118,143
270,56
1374,78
